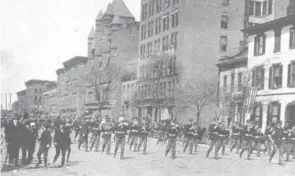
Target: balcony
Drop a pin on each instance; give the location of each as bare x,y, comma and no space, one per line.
260,19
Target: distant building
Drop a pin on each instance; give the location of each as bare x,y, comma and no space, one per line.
271,61
51,99
114,40
128,89
70,84
21,101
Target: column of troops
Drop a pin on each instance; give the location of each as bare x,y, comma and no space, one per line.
22,134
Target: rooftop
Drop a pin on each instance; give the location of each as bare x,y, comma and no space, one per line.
238,59
75,61
288,20
37,81
119,8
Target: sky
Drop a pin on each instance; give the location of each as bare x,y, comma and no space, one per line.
37,36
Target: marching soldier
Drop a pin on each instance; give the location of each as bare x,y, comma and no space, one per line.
161,133
222,138
267,142
31,138
84,132
286,142
173,130
257,138
95,135
193,141
235,137
67,130
247,137
275,136
292,141
106,131
45,144
143,135
187,134
134,129
214,130
120,133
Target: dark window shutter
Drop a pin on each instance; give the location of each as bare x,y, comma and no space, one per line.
268,121
279,111
289,74
264,43
281,75
262,79
261,111
270,78
255,45
253,77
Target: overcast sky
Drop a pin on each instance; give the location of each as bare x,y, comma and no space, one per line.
38,35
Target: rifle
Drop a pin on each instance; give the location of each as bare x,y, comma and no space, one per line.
272,142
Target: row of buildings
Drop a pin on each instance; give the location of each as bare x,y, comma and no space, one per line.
134,68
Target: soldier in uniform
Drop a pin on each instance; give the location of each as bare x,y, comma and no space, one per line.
143,135
187,134
161,133
193,140
172,131
222,138
214,130
257,138
286,142
120,133
45,144
67,130
292,141
267,142
247,137
31,138
84,132
95,135
106,128
276,135
235,137
134,131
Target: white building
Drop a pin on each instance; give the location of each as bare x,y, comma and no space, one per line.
271,58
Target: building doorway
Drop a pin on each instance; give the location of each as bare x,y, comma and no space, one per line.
290,114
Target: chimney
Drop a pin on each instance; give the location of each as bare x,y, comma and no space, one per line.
291,8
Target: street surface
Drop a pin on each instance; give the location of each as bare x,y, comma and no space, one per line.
154,163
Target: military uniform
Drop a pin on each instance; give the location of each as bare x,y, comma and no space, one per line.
187,135
84,132
143,135
120,132
257,139
172,132
276,135
235,138
214,131
247,137
106,134
95,135
286,143
61,142
134,131
194,138
222,140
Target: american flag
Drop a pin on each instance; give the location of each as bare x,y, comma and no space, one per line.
249,100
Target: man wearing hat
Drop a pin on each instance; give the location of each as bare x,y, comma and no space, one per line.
95,135
172,131
187,134
235,137
106,128
247,137
143,135
134,131
214,130
45,144
120,133
61,142
84,131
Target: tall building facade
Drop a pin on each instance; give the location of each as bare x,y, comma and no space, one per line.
113,42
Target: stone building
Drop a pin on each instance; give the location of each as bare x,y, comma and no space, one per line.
111,44
271,60
51,96
71,85
128,89
234,74
21,102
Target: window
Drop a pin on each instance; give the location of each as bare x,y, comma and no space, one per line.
291,74
257,113
143,32
36,90
175,2
275,76
232,83
166,3
158,25
144,11
223,43
224,21
260,8
159,6
225,2
166,23
225,83
259,45
174,19
165,43
277,47
258,78
150,28
292,38
142,51
240,80
174,40
150,49
273,112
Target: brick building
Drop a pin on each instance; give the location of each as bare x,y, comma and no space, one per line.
113,42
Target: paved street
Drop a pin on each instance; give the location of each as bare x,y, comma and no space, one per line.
156,164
